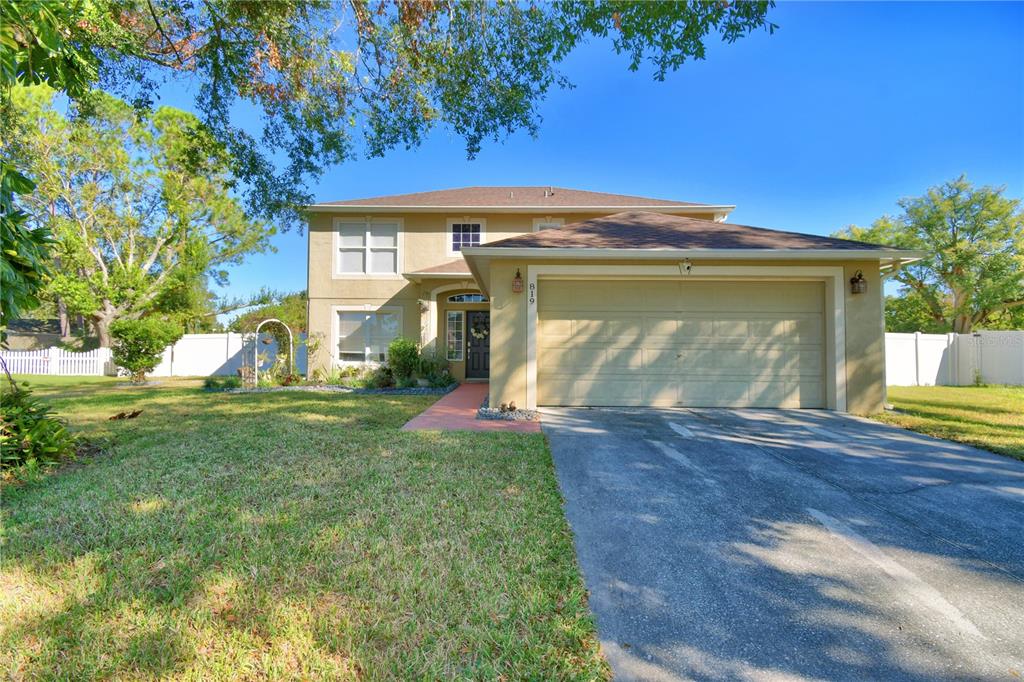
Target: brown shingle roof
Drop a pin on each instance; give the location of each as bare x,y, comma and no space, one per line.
510,197
646,230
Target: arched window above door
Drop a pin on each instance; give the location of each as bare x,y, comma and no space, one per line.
467,298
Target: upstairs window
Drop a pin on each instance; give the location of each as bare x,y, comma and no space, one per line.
464,233
367,248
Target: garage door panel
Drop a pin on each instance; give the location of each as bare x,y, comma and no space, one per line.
660,358
808,329
661,392
556,391
726,330
583,358
728,344
666,326
785,394
555,357
771,360
555,327
615,391
607,327
624,358
611,294
732,359
717,393
809,362
696,328
769,328
772,393
696,358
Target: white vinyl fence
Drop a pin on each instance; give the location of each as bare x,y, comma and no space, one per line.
58,362
954,359
910,359
193,355
202,355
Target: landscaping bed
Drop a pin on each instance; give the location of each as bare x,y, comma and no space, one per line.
328,388
506,413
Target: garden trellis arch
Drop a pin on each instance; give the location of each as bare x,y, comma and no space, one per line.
256,346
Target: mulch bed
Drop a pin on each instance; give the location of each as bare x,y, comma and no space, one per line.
414,390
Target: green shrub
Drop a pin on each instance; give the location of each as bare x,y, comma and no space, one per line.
380,376
279,374
403,358
139,344
339,376
30,434
222,383
434,368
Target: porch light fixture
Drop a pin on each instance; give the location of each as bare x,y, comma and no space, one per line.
517,283
858,285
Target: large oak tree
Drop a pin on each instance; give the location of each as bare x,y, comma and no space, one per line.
333,79
139,206
330,78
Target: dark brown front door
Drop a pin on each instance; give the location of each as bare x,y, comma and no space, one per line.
478,344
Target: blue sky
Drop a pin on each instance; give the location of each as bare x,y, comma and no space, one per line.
846,108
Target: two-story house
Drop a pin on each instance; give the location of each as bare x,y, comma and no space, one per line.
567,297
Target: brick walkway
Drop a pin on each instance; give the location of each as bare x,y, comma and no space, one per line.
457,412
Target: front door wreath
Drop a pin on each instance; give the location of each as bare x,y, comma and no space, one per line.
480,329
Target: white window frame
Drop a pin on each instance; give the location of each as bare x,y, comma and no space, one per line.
459,351
459,221
368,222
547,222
368,310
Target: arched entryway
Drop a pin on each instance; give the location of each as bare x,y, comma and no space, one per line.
464,333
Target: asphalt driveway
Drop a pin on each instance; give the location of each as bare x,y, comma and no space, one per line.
749,544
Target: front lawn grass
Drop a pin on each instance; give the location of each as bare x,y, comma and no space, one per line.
990,417
288,536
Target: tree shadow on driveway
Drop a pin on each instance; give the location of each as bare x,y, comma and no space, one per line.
792,545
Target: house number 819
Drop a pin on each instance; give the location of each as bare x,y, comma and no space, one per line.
533,293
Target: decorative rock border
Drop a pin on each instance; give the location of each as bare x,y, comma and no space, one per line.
413,390
493,413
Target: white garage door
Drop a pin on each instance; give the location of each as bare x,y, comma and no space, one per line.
681,343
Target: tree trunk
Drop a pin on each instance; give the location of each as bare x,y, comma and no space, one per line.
62,318
63,321
102,327
962,324
101,322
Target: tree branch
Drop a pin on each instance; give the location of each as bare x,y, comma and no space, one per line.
160,28
1006,305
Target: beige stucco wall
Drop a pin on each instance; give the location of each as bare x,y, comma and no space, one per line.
864,333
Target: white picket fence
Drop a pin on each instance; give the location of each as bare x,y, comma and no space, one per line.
954,359
193,355
58,362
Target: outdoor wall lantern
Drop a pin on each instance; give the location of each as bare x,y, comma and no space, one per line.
517,283
858,285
